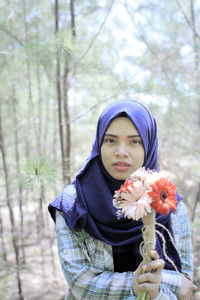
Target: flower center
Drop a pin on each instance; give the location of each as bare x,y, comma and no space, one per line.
163,196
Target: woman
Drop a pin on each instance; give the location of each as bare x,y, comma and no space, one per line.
99,252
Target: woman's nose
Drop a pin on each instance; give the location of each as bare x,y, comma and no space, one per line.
121,151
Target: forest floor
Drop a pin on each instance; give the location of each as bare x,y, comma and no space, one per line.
41,275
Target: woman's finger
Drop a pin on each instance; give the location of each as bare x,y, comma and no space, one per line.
154,266
153,254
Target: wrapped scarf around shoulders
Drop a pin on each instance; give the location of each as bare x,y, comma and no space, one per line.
87,203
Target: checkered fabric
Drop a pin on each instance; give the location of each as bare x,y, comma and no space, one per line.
87,263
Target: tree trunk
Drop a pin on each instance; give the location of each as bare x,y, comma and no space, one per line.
16,147
30,105
67,154
195,42
72,13
196,57
58,89
46,124
18,175
10,209
41,200
3,245
55,145
196,79
40,102
67,158
196,202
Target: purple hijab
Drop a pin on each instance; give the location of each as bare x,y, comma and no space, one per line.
93,208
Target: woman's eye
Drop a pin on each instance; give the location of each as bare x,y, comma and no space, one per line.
135,142
109,141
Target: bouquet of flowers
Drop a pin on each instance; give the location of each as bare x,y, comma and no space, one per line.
144,194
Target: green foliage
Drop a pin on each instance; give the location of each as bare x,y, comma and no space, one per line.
137,54
38,173
146,51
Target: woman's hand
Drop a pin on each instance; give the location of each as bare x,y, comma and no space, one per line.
151,279
187,289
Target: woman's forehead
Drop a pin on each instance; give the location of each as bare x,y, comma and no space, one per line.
121,125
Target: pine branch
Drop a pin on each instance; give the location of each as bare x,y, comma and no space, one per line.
11,35
187,20
85,112
96,35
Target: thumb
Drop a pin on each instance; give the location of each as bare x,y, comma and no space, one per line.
139,269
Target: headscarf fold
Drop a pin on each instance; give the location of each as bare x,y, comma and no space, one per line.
93,208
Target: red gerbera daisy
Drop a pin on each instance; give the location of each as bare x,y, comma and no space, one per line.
163,194
125,186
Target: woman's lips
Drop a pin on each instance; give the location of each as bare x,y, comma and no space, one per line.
121,166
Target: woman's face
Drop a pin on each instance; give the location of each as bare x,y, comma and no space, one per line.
122,151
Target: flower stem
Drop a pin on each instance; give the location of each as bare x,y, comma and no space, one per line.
149,237
142,295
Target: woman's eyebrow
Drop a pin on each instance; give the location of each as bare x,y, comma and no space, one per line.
133,136
109,134
129,136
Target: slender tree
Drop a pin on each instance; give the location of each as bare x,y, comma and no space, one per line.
66,87
2,235
18,171
10,208
58,87
30,102
14,101
196,42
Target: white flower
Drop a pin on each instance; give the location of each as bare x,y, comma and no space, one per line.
135,203
133,198
139,174
151,178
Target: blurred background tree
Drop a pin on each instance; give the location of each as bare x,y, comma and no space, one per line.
61,63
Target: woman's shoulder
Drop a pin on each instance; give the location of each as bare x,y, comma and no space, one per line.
64,202
69,192
68,197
